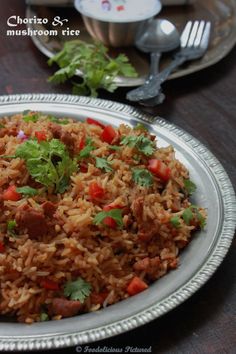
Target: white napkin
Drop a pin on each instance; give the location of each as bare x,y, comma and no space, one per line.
70,2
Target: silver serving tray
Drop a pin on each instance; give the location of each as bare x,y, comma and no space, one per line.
197,262
221,13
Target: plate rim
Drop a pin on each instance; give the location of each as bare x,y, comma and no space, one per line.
205,271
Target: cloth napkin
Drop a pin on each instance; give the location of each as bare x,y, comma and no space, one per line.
70,2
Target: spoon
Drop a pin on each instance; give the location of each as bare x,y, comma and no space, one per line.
158,37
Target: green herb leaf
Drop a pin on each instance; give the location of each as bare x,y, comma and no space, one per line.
58,120
114,147
115,214
103,164
27,191
187,215
190,213
142,177
44,317
140,126
11,224
141,143
175,221
77,290
99,70
85,152
48,162
189,186
30,116
2,126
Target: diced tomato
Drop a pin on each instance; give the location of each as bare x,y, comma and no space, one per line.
108,134
94,122
11,194
110,222
159,169
98,298
82,142
49,284
96,191
41,136
2,247
111,206
136,286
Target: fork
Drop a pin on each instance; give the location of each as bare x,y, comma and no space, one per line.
193,43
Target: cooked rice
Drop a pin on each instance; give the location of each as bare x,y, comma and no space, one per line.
74,247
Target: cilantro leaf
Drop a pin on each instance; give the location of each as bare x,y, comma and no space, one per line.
103,164
27,191
142,177
175,221
44,317
30,116
48,162
189,186
58,120
140,126
114,147
189,214
92,59
85,152
1,126
141,143
11,225
115,214
77,290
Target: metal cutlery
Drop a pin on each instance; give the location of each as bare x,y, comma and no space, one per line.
193,45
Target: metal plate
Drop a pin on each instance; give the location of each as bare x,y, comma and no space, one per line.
221,13
197,262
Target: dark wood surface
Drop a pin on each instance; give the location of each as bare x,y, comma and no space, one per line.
204,104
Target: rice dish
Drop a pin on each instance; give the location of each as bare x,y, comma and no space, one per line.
90,214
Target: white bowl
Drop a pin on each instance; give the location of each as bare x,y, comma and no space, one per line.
116,28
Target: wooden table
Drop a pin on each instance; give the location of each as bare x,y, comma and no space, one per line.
203,104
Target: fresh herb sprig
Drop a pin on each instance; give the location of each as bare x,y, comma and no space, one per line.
98,68
141,143
89,147
77,290
48,162
27,191
103,164
115,214
142,177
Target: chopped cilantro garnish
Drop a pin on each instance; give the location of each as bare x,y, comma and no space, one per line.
141,143
189,186
191,212
140,126
27,191
1,126
115,214
187,215
103,164
85,152
175,221
58,120
44,317
48,162
142,177
11,224
114,147
30,116
77,290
